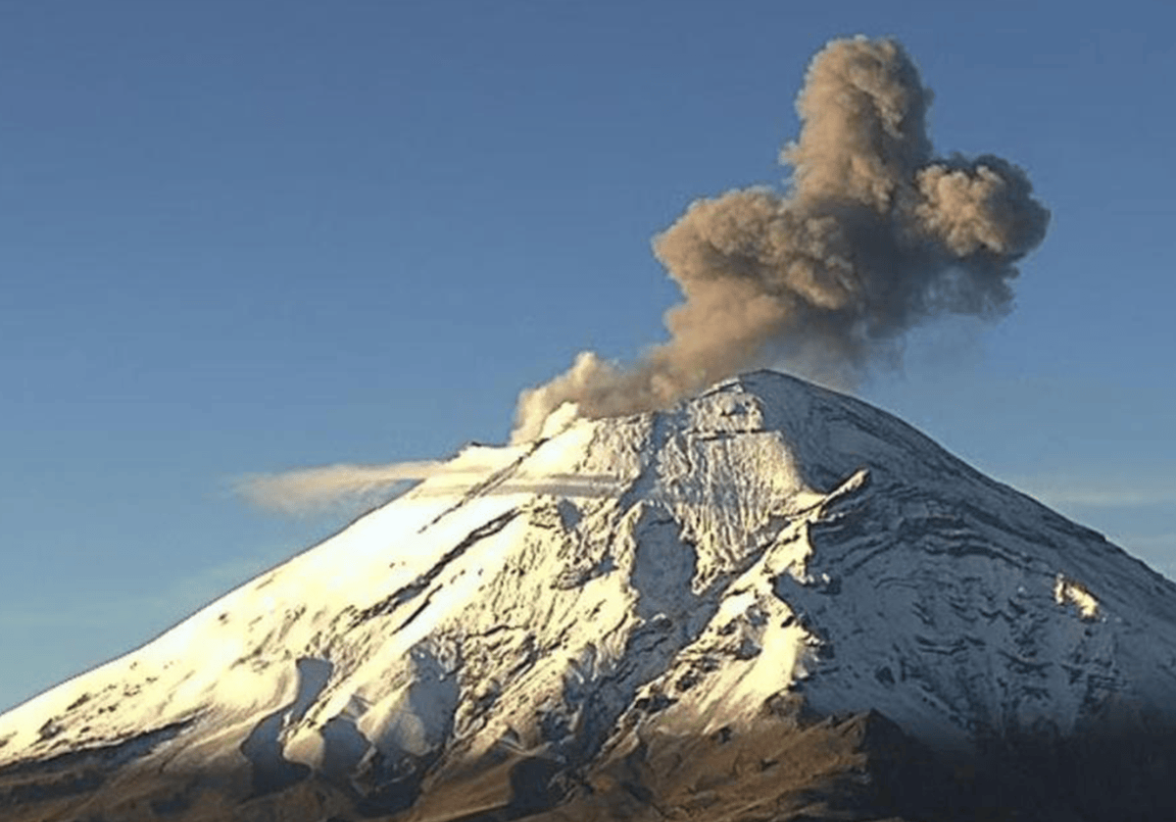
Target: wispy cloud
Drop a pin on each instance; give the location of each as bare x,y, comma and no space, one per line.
315,489
1151,542
1066,493
1134,514
1157,550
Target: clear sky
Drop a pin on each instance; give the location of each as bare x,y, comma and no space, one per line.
250,236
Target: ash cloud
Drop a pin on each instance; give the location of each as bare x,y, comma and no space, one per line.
875,235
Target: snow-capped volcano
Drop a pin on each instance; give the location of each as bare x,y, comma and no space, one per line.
490,641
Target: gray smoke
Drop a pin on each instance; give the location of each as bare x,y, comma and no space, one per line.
875,236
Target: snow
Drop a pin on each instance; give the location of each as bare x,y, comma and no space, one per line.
1067,591
664,572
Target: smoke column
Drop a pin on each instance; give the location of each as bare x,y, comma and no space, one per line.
875,236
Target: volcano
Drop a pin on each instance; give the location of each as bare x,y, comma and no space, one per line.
770,602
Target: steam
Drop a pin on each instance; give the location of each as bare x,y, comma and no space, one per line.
311,489
352,488
875,236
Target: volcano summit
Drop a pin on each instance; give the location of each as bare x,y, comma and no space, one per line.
770,602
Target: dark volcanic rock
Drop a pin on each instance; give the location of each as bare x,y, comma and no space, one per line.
790,768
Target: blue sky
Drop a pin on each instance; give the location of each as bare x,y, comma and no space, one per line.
243,237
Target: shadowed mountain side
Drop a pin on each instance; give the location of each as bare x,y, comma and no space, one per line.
791,767
861,767
783,769
798,767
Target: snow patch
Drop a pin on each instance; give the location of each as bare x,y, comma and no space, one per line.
1070,592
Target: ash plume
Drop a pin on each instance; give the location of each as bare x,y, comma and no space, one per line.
874,236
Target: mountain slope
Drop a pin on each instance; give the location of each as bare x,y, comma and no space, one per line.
505,637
